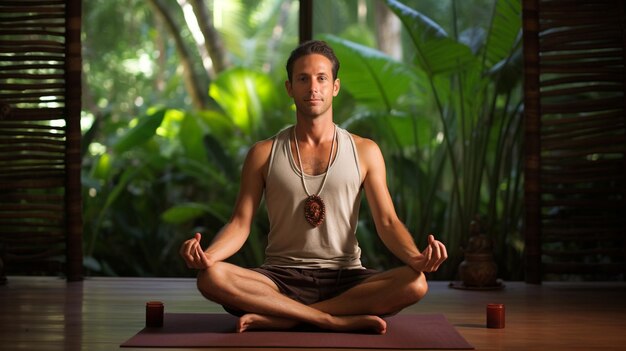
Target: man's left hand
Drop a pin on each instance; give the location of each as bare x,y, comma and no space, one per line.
431,257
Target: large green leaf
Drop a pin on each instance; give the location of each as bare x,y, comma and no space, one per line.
244,95
185,212
205,174
405,130
505,31
126,177
217,123
437,53
218,156
191,138
374,79
140,133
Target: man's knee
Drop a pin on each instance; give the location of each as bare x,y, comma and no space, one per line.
210,282
409,287
413,288
418,287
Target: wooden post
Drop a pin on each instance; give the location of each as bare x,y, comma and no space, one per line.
622,11
306,20
73,199
532,146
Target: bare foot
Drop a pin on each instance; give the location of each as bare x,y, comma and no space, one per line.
356,323
256,321
373,324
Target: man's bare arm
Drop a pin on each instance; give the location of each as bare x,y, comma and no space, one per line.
234,234
391,230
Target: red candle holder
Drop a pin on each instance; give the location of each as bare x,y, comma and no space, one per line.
154,314
495,315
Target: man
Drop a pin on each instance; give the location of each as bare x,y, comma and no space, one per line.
311,175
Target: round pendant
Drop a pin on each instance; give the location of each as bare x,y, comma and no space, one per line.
314,210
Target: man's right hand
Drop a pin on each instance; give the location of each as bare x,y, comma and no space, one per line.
192,253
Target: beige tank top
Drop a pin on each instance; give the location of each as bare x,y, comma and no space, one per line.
292,241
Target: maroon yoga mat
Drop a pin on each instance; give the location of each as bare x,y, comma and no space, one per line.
404,331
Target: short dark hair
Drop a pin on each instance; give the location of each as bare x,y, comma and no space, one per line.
313,47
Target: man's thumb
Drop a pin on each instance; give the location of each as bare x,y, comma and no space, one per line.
198,236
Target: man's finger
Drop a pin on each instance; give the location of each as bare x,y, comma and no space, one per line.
436,256
426,253
185,250
433,254
198,237
443,255
204,261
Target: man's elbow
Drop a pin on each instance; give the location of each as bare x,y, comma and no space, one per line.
389,224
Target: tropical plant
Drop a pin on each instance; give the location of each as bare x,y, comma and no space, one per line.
449,122
157,169
152,180
183,169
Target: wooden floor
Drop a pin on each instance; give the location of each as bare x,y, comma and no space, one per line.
44,313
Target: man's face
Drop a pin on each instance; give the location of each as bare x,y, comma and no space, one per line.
312,87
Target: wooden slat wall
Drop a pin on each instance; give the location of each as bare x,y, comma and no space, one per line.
575,137
40,202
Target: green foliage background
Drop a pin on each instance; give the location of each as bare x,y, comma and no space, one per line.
447,117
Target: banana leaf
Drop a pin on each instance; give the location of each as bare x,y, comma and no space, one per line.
185,212
140,133
437,53
374,79
245,96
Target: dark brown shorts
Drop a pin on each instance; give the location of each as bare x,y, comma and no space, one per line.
309,286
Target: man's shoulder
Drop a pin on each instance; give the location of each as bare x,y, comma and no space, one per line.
364,144
261,148
370,155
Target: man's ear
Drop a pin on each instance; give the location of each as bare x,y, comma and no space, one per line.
336,87
288,88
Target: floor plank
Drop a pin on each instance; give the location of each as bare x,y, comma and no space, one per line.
46,313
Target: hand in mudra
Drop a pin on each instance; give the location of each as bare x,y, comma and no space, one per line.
194,256
431,257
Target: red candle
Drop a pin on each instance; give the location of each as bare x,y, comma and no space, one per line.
495,315
154,314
